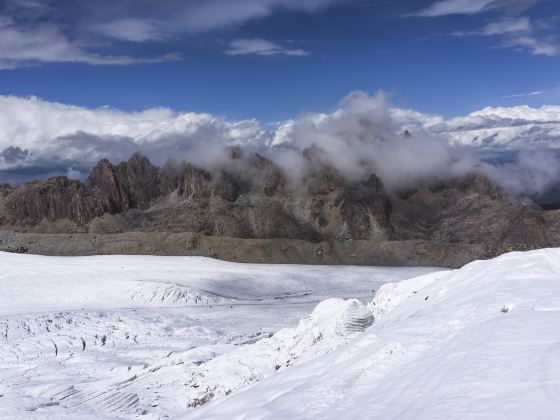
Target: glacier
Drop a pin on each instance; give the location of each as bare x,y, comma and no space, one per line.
195,338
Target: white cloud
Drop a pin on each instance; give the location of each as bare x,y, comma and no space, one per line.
471,7
524,95
449,7
532,44
512,32
205,15
42,31
492,128
149,20
363,135
63,136
518,33
45,43
261,47
131,29
507,26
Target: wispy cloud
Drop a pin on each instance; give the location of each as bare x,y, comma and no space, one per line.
507,26
523,95
23,45
532,44
518,33
499,27
43,31
207,15
471,7
142,20
132,29
261,47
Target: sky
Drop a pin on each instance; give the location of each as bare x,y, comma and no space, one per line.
277,59
86,80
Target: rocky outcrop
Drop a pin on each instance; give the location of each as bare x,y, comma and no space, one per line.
109,189
132,184
195,184
251,198
57,198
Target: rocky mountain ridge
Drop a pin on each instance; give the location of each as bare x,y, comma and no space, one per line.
250,198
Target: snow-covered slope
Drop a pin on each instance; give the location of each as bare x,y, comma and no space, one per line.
152,337
36,283
482,342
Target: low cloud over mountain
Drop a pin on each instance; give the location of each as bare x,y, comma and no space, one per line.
40,138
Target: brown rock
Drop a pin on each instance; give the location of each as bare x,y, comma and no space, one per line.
131,184
57,198
250,198
195,183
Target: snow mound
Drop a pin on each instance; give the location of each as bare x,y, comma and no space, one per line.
479,342
330,325
166,293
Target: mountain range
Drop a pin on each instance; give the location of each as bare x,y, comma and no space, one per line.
249,209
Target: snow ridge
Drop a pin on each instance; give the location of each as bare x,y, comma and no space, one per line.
479,342
165,293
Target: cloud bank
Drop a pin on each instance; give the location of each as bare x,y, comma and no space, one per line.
40,138
57,137
492,128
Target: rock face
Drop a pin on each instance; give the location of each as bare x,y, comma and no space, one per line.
132,184
57,198
473,211
328,218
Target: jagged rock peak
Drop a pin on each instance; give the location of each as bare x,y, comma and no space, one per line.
249,196
195,182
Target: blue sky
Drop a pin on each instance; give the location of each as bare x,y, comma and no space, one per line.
276,59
